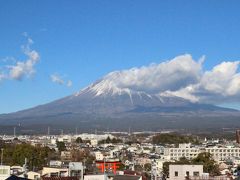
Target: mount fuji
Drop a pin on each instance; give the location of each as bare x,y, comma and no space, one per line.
108,104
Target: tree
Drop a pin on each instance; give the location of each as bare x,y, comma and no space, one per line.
173,139
205,158
79,140
147,167
37,156
138,168
166,168
108,140
209,164
61,146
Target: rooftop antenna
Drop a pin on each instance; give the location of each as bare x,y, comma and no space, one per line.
25,167
129,131
2,157
14,131
76,130
48,130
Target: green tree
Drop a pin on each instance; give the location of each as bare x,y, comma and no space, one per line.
108,140
209,164
147,167
37,156
138,168
173,139
166,168
61,146
79,140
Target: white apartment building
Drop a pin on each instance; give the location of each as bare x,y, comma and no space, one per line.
223,153
184,150
94,142
99,156
4,172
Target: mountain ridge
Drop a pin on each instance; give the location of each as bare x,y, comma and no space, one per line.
105,100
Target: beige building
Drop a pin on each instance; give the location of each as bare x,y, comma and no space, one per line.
224,153
4,172
33,175
184,150
180,172
54,172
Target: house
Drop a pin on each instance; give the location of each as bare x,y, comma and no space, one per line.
4,172
180,172
96,177
54,172
99,156
127,177
33,175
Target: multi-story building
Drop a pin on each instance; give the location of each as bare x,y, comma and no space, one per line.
180,172
224,153
184,150
190,152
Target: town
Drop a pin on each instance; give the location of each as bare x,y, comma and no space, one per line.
119,155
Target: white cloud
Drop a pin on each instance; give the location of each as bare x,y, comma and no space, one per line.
220,85
69,83
22,68
2,76
184,77
55,78
169,75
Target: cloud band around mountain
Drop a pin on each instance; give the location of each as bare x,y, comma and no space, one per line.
183,77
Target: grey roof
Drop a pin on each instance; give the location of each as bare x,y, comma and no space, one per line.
127,177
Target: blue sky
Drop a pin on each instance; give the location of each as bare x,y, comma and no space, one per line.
81,41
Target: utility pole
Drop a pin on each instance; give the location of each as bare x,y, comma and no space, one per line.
48,130
76,131
2,157
14,131
104,168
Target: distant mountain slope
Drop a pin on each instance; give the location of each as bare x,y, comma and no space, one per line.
104,100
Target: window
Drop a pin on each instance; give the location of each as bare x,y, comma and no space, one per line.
187,173
195,173
3,171
35,177
176,173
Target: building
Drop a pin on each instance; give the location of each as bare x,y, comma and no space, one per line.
96,177
224,153
180,172
54,172
94,142
184,150
76,170
127,177
4,172
99,156
33,175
